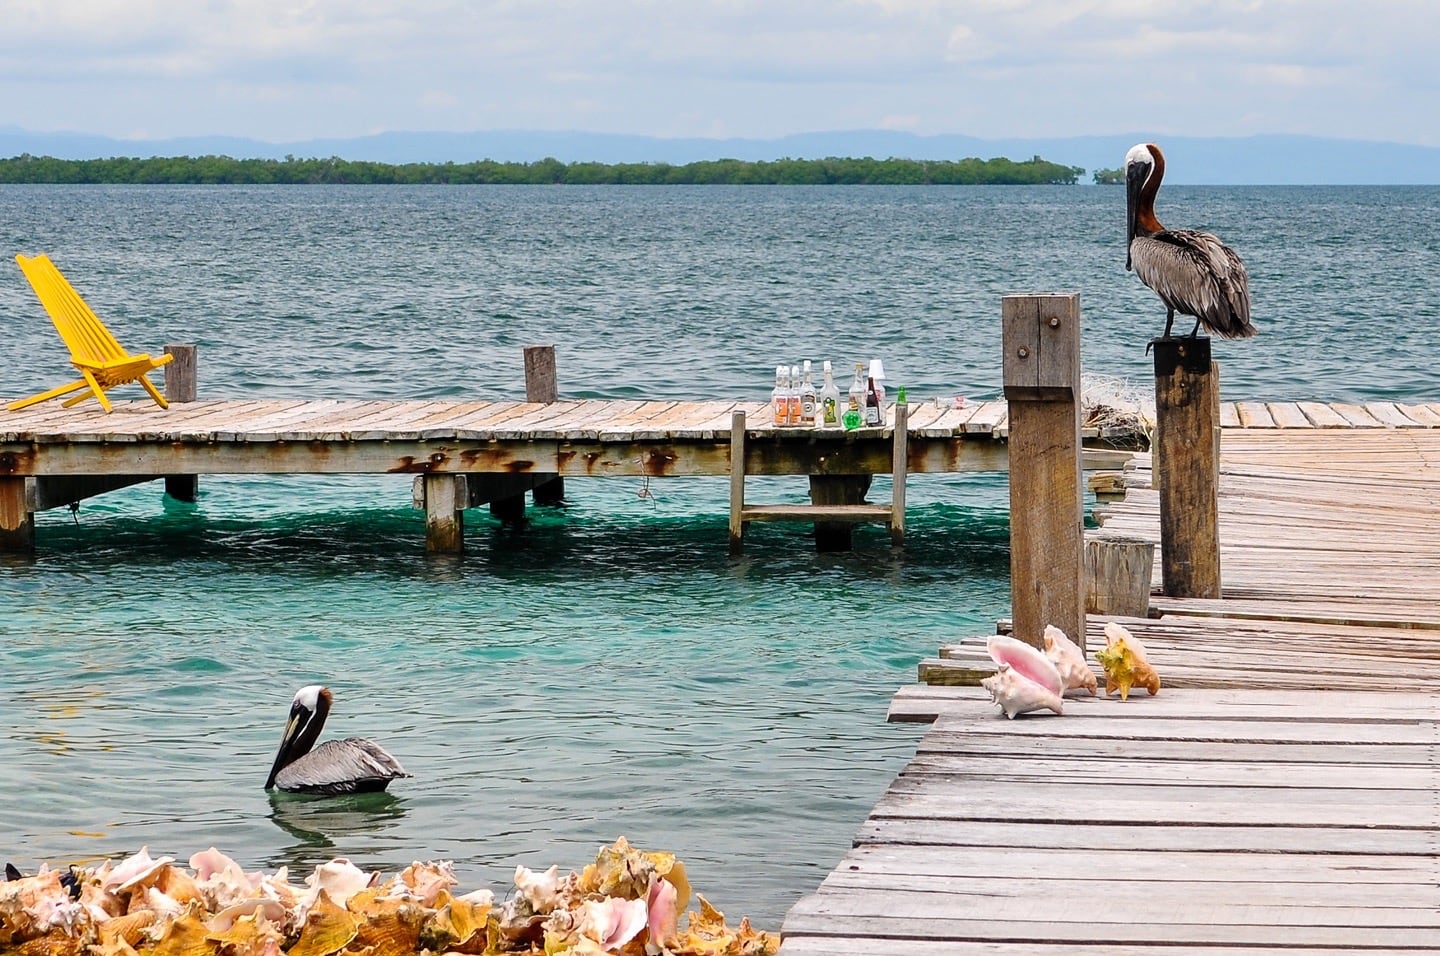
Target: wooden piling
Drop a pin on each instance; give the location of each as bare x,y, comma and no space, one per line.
180,386
1041,337
17,521
737,482
444,513
1187,450
541,385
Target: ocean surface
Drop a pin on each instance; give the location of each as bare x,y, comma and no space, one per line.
607,669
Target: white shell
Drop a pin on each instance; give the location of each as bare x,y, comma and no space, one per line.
1018,694
1068,659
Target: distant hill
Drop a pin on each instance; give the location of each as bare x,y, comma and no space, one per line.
1258,160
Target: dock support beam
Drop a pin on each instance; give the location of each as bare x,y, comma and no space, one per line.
1187,457
1041,336
17,521
180,387
444,513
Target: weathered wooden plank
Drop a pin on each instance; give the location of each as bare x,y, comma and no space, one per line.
1322,415
1388,413
1254,415
1356,415
1287,415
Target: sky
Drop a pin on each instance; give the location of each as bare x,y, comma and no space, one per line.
292,70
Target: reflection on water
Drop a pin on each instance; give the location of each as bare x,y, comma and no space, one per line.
320,824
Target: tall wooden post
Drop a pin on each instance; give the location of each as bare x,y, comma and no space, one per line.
180,387
541,385
1041,335
17,521
1187,456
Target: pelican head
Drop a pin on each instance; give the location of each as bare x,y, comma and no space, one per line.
1144,167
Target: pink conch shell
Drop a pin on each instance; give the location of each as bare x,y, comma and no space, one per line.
612,922
1125,663
1018,694
664,913
1027,661
1068,659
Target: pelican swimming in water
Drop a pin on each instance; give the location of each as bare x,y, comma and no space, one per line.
1194,273
352,765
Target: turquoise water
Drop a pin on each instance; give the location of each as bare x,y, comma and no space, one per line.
608,670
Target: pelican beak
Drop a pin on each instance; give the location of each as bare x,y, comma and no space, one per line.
1135,176
282,756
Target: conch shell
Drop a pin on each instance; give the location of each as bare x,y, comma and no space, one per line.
1024,680
1125,663
1069,660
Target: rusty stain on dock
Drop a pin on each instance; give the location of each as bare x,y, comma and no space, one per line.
1280,796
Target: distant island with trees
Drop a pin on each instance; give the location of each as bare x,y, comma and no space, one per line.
206,170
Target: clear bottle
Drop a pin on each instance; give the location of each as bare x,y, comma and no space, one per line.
874,414
794,395
779,398
855,407
807,397
829,413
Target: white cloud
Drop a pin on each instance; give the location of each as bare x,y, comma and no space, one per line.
289,69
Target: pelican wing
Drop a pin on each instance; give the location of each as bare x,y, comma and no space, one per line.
1196,274
351,765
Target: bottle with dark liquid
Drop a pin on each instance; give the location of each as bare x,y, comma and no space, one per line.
873,413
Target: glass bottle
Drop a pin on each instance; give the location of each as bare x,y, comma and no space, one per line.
779,400
794,395
829,399
807,397
855,407
873,413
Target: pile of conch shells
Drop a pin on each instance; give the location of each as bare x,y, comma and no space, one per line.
1125,663
627,903
1028,679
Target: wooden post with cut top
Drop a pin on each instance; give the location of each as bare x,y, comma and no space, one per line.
548,490
1187,457
1041,336
180,387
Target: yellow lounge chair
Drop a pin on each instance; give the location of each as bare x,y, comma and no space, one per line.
102,361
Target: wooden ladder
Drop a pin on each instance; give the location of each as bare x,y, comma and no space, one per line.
891,515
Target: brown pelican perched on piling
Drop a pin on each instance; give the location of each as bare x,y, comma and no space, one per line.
1194,273
352,765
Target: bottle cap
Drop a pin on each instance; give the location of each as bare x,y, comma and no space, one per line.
877,370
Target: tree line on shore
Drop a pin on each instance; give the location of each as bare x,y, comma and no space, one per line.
784,172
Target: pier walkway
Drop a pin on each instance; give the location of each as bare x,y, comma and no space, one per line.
1281,795
51,456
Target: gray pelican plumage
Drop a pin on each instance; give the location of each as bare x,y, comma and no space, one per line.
1194,273
352,765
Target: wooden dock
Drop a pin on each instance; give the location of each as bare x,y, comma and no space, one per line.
464,454
51,456
1280,796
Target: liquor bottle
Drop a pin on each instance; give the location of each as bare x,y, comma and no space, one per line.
829,399
873,413
807,397
794,395
855,408
779,400
877,372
